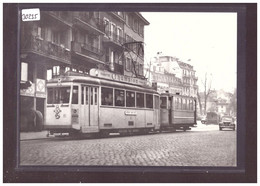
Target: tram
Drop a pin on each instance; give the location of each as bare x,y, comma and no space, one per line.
177,112
102,102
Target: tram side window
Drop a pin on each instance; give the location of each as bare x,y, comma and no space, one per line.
163,104
75,95
156,102
106,96
130,99
140,100
119,97
149,101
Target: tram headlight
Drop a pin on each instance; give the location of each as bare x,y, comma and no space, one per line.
96,72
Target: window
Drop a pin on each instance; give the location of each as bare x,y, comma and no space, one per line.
135,25
55,37
140,100
56,71
24,71
58,95
128,64
119,34
113,30
107,31
163,102
130,99
141,69
156,102
93,95
119,97
149,101
141,29
84,101
184,104
75,95
106,96
127,19
82,95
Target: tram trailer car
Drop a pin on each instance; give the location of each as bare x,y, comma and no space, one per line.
93,105
177,112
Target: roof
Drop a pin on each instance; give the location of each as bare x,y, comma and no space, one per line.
142,18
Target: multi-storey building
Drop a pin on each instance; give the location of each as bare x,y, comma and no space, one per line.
189,80
172,75
76,41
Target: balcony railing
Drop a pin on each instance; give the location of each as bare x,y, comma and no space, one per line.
86,49
112,37
46,48
89,19
62,16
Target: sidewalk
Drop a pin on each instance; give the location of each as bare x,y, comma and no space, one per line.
33,135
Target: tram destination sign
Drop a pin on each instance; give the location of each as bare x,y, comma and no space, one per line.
117,77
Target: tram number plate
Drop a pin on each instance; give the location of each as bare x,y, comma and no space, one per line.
130,113
90,129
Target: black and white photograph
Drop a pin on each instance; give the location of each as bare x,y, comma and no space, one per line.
123,88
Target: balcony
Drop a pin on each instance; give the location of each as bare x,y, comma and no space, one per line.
62,17
114,40
88,22
195,77
186,76
85,48
38,46
86,52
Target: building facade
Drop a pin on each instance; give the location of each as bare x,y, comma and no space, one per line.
75,41
189,80
171,75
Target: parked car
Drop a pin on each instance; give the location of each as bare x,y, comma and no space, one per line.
227,122
203,119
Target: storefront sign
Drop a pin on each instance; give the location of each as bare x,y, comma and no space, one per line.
30,91
40,88
117,77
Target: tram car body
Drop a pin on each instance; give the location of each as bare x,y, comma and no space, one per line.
177,112
100,103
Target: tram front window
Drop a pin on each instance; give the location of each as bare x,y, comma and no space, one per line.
163,103
75,95
58,95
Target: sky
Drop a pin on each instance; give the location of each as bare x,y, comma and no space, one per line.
208,39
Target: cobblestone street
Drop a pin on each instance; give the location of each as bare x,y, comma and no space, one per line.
191,148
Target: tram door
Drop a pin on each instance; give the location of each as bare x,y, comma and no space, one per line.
93,107
164,111
89,109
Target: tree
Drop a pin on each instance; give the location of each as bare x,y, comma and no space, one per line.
199,101
233,103
206,82
207,90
